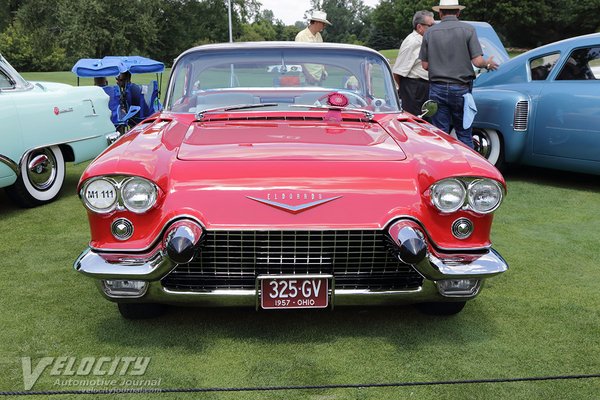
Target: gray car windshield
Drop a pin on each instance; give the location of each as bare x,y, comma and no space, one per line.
288,78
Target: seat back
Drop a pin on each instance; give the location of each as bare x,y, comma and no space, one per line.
149,102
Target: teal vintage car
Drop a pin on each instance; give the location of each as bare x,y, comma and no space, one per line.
43,125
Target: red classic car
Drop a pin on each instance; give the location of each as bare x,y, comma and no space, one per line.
285,175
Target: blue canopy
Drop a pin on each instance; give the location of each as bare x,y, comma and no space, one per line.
114,65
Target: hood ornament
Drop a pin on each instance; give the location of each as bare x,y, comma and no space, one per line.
293,209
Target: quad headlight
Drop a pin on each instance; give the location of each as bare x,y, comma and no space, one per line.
138,194
448,195
482,196
106,194
100,195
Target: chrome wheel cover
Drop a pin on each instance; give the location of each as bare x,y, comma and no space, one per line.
41,169
482,143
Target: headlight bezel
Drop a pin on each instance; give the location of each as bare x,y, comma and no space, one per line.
87,202
468,202
119,183
482,181
153,194
437,191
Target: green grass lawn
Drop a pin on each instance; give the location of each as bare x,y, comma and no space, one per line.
541,318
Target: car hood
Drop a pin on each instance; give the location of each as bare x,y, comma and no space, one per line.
285,140
233,187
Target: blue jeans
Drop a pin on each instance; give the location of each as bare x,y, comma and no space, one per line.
450,109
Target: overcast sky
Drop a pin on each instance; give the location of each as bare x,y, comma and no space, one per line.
290,11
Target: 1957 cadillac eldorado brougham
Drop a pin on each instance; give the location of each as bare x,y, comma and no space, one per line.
43,125
259,185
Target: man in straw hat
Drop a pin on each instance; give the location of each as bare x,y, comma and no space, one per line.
448,52
314,73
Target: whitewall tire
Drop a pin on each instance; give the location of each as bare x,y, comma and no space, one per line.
42,174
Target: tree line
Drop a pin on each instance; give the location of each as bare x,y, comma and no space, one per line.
50,35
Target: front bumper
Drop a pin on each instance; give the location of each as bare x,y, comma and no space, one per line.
153,267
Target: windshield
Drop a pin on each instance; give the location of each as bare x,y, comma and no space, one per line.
285,77
9,77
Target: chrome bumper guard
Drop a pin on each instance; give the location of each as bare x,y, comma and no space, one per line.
112,137
147,267
152,267
155,266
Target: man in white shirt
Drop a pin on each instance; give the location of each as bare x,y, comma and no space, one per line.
314,73
411,78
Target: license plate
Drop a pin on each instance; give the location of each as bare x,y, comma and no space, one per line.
294,291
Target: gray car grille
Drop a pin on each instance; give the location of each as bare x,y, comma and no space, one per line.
233,260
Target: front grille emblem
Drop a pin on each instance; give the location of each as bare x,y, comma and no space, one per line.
293,209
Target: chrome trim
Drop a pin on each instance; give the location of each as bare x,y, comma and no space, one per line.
112,137
93,114
521,116
472,293
469,199
462,228
10,164
125,182
157,265
247,298
145,267
290,208
293,276
484,266
102,284
86,202
128,225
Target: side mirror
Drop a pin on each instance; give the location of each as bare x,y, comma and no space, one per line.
429,108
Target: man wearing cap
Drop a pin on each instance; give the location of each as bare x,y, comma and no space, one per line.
314,73
411,78
448,52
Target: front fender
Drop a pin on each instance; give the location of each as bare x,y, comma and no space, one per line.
496,109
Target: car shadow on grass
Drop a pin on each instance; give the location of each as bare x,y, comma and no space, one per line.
69,188
405,326
554,178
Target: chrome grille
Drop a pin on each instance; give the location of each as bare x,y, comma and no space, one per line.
521,116
233,260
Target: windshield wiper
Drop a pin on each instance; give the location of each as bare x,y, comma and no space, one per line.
200,114
367,113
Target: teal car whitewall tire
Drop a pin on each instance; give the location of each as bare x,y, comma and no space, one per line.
41,176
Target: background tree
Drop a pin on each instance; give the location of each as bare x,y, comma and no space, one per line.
43,35
529,23
348,21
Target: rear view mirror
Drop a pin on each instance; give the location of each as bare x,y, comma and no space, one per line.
429,108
